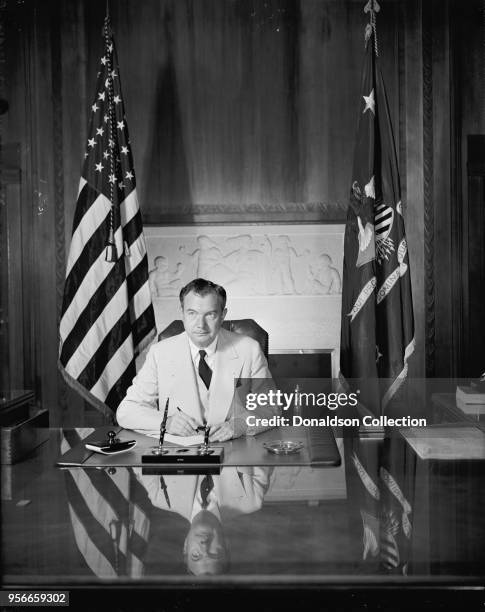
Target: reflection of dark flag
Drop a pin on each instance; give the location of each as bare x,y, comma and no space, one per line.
377,330
107,313
110,516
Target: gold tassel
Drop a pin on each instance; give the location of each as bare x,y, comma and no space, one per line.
111,253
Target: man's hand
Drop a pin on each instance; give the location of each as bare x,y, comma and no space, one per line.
181,424
221,432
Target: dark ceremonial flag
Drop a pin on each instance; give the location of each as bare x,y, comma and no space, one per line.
377,330
107,313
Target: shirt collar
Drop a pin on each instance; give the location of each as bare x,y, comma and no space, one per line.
210,350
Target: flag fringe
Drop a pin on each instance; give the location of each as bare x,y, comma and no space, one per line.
85,394
401,377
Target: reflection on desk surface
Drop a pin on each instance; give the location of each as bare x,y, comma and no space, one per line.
420,519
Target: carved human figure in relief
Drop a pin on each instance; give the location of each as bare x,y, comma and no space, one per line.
282,280
324,278
210,260
248,264
162,282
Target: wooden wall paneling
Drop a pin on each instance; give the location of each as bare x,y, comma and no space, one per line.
40,200
428,186
469,94
71,129
474,357
411,105
441,356
15,136
14,295
458,33
58,191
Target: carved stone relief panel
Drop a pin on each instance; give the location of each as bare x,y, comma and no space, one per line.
246,262
287,277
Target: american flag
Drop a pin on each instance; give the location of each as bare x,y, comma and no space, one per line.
377,329
110,515
107,315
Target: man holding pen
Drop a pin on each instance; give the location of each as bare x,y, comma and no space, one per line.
198,370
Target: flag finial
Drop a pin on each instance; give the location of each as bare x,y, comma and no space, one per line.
111,253
373,8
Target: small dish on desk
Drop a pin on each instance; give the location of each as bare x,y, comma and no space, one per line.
283,447
113,448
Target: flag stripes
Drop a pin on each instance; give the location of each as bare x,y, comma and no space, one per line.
123,382
101,301
94,532
107,315
110,515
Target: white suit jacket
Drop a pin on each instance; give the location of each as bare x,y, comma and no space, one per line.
168,371
238,490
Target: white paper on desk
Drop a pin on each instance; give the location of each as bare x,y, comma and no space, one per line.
178,440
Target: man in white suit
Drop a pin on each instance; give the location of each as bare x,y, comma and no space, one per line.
198,371
236,491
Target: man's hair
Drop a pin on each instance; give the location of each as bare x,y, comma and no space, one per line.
201,286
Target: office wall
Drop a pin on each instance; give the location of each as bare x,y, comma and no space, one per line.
235,115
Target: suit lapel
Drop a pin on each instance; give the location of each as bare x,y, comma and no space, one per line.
226,369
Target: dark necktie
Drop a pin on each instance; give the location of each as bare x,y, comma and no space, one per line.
163,486
204,371
206,487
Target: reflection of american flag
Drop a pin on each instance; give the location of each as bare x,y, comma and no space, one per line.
107,313
110,515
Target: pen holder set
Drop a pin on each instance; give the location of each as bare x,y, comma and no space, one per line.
181,455
175,455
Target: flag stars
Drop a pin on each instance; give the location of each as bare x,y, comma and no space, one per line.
121,186
124,150
113,74
112,178
105,118
94,107
110,47
120,124
99,167
106,155
378,354
117,99
91,142
102,95
111,143
370,103
99,131
104,60
129,175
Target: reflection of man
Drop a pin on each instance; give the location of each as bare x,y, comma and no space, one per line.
197,370
207,502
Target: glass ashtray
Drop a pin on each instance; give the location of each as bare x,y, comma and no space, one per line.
283,447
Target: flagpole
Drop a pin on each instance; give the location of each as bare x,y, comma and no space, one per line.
111,252
373,8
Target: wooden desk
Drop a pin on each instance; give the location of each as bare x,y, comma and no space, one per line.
72,524
445,410
320,449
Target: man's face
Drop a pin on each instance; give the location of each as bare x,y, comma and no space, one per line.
202,317
205,549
